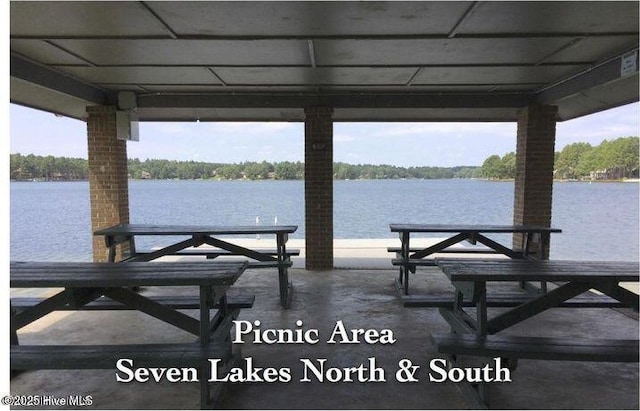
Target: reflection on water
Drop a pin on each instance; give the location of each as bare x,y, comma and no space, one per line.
51,220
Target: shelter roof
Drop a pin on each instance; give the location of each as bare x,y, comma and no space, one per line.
371,61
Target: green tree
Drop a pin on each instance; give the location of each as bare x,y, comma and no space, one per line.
570,161
491,167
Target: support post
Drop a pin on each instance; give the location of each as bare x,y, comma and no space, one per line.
108,174
534,171
318,189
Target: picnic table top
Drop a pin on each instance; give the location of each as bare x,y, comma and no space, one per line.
538,270
87,274
154,229
460,228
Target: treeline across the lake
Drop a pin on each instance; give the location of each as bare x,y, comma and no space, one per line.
610,160
49,168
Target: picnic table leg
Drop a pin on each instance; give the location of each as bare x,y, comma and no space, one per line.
543,240
540,255
13,338
13,332
205,293
112,242
481,390
404,270
460,322
480,293
283,274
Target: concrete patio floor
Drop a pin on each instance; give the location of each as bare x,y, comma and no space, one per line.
361,299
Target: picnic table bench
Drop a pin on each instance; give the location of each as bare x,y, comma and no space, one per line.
95,286
408,257
278,257
478,335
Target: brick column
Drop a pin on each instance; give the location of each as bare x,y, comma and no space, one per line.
108,185
534,169
318,188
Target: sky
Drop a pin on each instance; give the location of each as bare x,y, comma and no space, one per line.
401,144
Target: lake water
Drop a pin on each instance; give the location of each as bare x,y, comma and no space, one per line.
51,220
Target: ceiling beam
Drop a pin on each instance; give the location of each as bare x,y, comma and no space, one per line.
465,17
559,50
54,80
366,100
144,6
386,65
212,71
69,52
251,37
608,71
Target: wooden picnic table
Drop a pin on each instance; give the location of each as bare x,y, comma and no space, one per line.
278,257
408,257
479,335
108,284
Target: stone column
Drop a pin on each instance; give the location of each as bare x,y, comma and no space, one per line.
108,175
318,189
534,169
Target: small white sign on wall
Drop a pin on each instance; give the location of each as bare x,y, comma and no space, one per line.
629,64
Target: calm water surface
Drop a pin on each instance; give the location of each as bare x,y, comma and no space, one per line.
51,220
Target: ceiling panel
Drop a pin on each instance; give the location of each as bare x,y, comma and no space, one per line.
44,52
145,75
594,49
254,59
309,18
434,52
365,75
190,52
266,75
82,18
552,16
526,75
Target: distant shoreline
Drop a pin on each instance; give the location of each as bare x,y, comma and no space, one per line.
494,180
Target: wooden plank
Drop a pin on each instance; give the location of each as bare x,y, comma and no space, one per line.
178,302
48,357
588,300
498,247
212,253
439,246
238,250
460,321
172,249
449,250
268,264
415,263
540,348
42,308
152,308
91,275
538,270
537,305
462,228
626,297
153,229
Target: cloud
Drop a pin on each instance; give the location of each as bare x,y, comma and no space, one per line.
405,144
254,129
151,129
424,130
607,125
